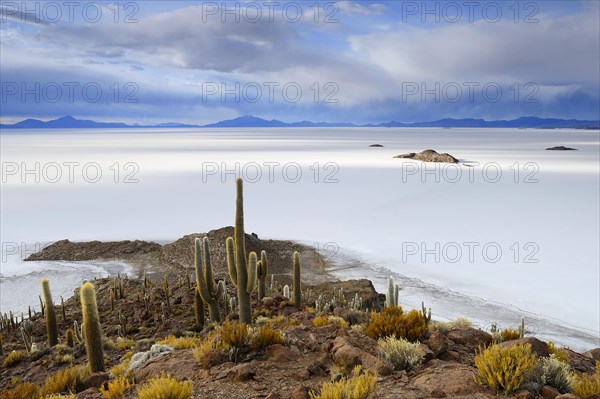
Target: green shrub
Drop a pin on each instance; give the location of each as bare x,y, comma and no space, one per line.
400,353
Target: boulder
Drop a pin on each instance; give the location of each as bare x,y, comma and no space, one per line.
438,343
178,364
593,353
538,347
452,380
549,392
429,156
469,337
561,148
241,372
344,352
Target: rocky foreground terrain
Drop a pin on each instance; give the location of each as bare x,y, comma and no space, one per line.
150,328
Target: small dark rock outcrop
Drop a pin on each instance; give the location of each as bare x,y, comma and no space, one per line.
82,251
561,148
376,145
429,156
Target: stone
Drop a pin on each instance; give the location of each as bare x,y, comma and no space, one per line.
593,353
344,352
438,343
91,393
429,156
241,372
567,396
540,348
301,392
95,380
471,338
549,392
523,394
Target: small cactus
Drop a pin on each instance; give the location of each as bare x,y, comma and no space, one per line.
286,292
426,314
391,298
296,281
51,325
205,281
522,328
70,338
262,269
91,328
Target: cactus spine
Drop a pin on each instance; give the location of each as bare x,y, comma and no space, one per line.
205,281
262,269
92,333
296,281
51,326
243,275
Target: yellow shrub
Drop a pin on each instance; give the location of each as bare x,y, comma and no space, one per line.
116,388
264,337
211,351
181,342
234,334
361,385
338,321
64,359
504,369
509,335
393,322
125,343
320,321
598,366
585,385
165,387
400,353
559,354
57,396
21,390
13,358
66,380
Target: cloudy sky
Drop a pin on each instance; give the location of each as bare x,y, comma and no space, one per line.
349,61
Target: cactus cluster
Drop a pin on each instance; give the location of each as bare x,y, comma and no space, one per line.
391,297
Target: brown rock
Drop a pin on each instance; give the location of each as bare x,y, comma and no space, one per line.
523,394
471,338
274,395
452,380
241,372
429,355
344,352
177,363
579,362
594,396
538,347
95,380
300,392
90,393
567,396
549,392
593,353
280,354
438,343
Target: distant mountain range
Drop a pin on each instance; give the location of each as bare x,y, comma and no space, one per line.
68,122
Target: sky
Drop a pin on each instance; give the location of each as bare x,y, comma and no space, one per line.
345,61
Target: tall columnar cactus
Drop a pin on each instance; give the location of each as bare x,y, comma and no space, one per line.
391,298
198,309
262,269
241,271
205,281
51,326
522,328
296,281
92,332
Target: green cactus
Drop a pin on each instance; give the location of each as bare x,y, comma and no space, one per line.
262,269
241,271
92,332
426,314
522,328
296,281
198,310
70,338
51,326
205,281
